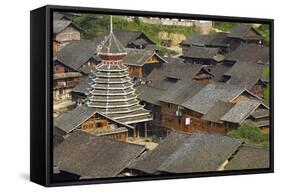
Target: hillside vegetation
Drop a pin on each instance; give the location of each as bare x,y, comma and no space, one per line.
250,134
94,25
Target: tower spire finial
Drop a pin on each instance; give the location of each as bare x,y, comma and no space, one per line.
110,23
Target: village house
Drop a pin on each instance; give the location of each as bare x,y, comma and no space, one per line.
87,156
248,53
227,116
247,63
161,80
247,74
175,70
244,33
217,40
70,64
64,30
184,106
64,79
79,92
80,55
206,56
186,153
250,157
141,62
211,48
56,46
91,121
149,97
130,39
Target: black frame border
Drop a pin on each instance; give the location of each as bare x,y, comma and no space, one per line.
41,147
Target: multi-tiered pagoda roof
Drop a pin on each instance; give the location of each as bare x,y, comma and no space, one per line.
111,91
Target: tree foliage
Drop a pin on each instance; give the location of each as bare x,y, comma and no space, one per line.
250,134
264,30
224,26
92,24
266,93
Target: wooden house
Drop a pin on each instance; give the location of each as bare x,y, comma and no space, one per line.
79,55
205,56
91,121
64,79
80,91
247,64
249,157
149,97
66,31
129,39
180,152
244,33
217,40
199,104
56,46
141,62
248,111
94,157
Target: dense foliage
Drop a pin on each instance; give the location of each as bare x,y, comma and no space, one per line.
250,134
224,26
264,30
267,89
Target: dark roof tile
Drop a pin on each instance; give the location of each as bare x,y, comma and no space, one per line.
183,153
249,157
94,157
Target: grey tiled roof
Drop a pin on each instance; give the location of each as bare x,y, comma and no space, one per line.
138,57
83,86
60,25
125,37
149,94
260,113
94,157
249,53
201,52
176,69
216,39
71,120
210,94
181,92
249,157
240,111
217,111
245,74
219,70
241,30
151,160
60,16
183,153
77,53
201,152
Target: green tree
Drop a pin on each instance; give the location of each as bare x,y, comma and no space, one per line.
250,134
266,93
137,20
264,30
224,26
92,24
